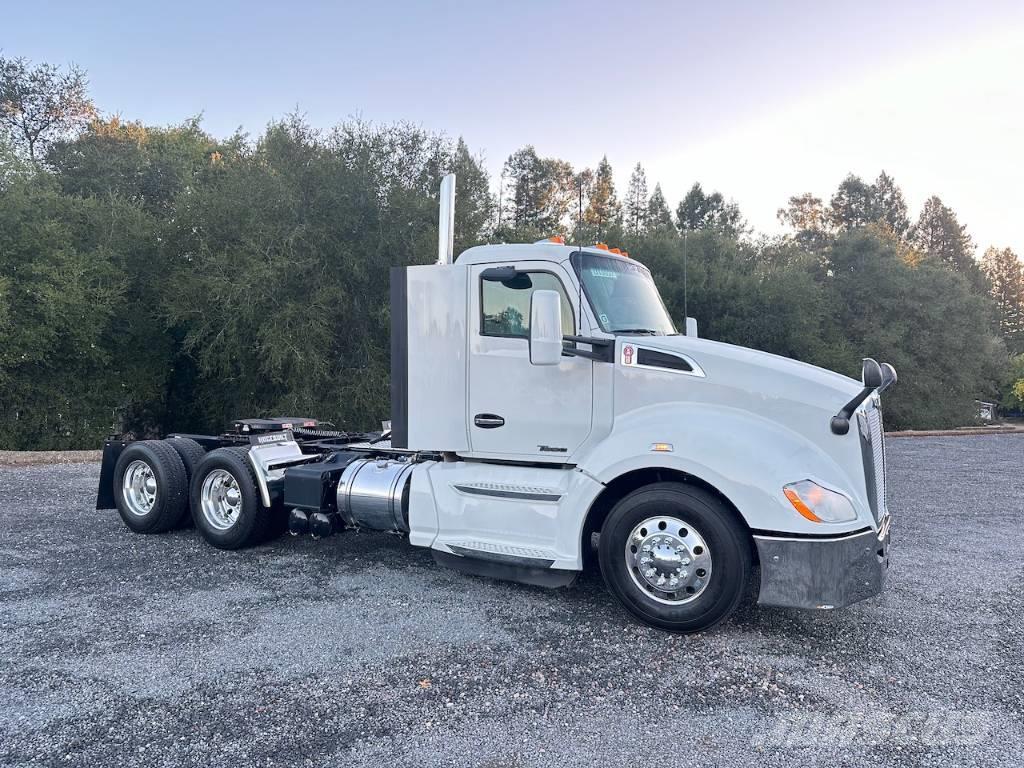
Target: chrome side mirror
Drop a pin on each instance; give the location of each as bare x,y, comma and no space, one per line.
545,328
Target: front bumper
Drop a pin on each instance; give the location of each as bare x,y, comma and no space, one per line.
823,573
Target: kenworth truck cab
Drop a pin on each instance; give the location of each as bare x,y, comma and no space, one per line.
546,414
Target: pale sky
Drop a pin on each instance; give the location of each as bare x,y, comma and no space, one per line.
758,100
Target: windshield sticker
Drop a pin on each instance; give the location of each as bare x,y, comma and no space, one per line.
604,273
604,319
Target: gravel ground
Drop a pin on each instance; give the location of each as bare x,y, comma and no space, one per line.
120,649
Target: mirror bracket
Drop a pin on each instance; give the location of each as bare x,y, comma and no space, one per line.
602,350
874,377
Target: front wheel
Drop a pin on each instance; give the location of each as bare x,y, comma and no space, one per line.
675,557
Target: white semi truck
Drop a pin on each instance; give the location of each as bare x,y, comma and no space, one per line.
546,413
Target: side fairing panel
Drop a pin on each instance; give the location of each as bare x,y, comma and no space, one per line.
436,358
529,513
422,509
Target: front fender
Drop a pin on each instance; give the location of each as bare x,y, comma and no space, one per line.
744,456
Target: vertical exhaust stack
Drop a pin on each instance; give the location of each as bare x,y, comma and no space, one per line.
446,221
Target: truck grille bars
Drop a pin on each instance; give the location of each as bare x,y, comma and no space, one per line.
872,441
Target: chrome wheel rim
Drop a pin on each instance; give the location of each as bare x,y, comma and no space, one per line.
221,499
139,488
668,560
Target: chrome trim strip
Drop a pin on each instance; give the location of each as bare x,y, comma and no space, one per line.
697,370
783,536
499,494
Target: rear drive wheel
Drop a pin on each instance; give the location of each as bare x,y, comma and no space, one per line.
675,557
226,504
190,451
150,487
191,454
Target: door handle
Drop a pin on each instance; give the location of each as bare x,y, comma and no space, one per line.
488,421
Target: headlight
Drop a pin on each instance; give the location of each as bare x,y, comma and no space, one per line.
819,505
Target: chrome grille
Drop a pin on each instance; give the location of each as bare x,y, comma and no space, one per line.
873,446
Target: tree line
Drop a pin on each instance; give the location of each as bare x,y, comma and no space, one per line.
158,278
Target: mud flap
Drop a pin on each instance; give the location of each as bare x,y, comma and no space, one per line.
105,493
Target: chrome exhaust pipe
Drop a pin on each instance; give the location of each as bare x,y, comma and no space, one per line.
446,221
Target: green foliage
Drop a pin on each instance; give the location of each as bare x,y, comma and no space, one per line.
859,204
889,209
162,280
281,292
807,215
603,213
659,218
851,205
939,236
1005,274
925,320
636,207
40,104
1013,386
65,364
537,195
699,210
148,166
756,295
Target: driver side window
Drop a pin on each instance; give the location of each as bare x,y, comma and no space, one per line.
505,306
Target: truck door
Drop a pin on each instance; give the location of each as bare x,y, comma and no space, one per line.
517,410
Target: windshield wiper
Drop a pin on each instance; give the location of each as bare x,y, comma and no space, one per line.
638,331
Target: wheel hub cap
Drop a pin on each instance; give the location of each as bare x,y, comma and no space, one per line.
221,499
668,559
139,488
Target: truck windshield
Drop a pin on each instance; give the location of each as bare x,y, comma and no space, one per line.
623,295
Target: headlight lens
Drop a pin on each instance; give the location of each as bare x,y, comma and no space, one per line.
819,505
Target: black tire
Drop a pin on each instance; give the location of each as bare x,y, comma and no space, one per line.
191,454
169,500
699,604
190,451
252,520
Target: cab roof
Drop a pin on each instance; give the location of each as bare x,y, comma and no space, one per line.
542,251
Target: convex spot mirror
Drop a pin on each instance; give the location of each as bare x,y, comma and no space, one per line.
871,374
888,377
545,328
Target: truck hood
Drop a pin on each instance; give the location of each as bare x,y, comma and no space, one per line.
745,375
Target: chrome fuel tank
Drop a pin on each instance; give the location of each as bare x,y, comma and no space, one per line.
374,494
